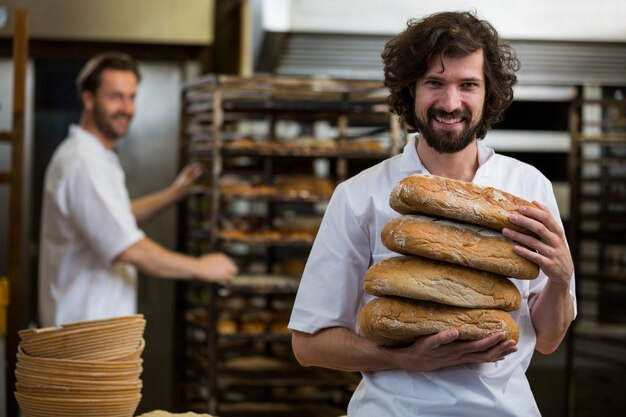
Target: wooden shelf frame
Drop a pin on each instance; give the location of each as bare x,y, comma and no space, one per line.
14,179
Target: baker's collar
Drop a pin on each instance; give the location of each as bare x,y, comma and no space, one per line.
89,139
410,162
485,156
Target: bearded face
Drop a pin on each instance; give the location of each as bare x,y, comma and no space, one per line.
449,102
110,109
447,140
113,124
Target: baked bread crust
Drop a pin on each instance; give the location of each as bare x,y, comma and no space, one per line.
458,243
458,200
392,321
420,278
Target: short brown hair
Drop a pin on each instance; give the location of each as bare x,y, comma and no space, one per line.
406,58
90,76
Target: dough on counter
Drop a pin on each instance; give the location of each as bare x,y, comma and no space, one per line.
161,413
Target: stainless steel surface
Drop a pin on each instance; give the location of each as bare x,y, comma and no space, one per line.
149,157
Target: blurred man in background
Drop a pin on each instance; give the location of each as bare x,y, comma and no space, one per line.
91,243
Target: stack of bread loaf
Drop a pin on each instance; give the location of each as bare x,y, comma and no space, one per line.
453,274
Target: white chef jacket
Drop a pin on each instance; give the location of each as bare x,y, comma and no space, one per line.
87,222
331,295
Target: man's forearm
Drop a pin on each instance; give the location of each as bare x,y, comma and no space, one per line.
342,349
551,315
147,207
154,259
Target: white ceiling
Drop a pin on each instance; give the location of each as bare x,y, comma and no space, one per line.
556,20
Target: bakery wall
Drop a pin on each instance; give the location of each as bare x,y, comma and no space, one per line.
177,40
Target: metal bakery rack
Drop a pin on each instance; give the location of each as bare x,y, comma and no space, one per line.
597,343
274,149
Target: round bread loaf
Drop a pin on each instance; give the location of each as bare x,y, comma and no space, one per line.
458,243
425,279
458,200
394,321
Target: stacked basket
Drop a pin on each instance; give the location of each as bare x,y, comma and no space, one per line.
89,368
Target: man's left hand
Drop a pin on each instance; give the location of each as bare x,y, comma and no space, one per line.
185,182
548,249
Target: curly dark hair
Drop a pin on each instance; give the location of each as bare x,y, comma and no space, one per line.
458,34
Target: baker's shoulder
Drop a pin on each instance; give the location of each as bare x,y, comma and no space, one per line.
374,177
69,152
367,193
512,166
521,179
70,158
